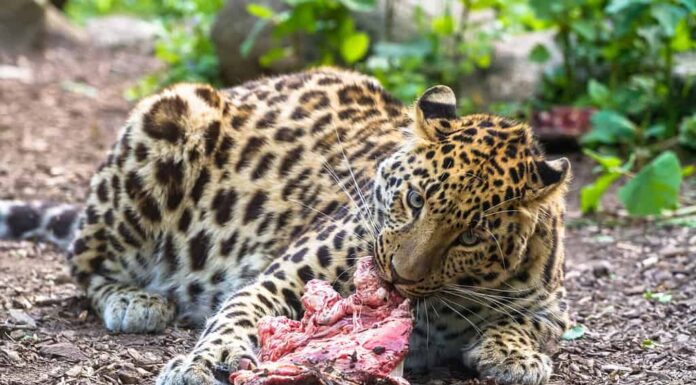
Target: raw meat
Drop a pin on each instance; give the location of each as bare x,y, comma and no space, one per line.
356,340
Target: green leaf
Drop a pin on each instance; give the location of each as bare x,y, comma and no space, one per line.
599,93
608,162
654,188
443,25
656,131
539,54
359,5
687,171
574,333
617,6
687,132
355,47
648,344
248,43
658,297
417,48
585,28
609,127
271,56
689,4
591,195
682,37
260,11
668,16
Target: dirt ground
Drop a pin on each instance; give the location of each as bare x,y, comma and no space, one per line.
54,130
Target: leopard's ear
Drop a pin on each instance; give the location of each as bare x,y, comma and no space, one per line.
546,177
433,110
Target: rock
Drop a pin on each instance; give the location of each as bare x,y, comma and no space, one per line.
8,72
26,25
120,31
231,27
22,25
63,350
601,269
128,376
22,318
12,355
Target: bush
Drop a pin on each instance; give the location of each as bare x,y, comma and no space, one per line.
618,56
183,41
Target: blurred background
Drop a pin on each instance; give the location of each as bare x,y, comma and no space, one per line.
608,83
613,78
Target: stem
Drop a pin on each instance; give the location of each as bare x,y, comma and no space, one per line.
567,65
669,63
389,19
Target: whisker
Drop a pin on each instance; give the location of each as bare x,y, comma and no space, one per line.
358,190
451,307
360,213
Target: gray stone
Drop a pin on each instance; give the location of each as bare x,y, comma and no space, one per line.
22,25
29,25
22,318
512,77
120,31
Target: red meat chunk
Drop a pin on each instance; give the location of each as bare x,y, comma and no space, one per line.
356,340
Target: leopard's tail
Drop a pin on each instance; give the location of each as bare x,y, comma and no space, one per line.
55,223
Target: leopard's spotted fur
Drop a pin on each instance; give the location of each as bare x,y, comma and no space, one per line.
217,207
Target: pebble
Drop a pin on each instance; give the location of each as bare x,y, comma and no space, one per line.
22,318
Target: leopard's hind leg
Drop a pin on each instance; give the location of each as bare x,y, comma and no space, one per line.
122,256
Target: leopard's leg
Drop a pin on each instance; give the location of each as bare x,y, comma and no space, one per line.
230,338
105,266
512,351
136,199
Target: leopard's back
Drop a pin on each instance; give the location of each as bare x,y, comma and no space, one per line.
205,188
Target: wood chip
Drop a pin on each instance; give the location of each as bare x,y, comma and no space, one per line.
64,350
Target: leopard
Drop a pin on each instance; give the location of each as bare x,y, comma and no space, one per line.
214,208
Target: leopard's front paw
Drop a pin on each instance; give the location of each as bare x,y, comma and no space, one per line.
210,367
137,312
510,366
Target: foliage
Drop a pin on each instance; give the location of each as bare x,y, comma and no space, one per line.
448,47
183,40
329,23
618,57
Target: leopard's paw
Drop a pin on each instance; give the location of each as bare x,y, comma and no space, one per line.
137,312
213,366
514,367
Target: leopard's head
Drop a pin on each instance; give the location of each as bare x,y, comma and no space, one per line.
458,202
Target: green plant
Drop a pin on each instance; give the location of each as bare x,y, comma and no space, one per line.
448,48
329,24
650,191
618,57
658,297
183,41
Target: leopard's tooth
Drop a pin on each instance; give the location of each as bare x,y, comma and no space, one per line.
398,370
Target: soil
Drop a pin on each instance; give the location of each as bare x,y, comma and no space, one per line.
54,131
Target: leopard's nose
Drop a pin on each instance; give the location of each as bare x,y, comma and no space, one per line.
396,279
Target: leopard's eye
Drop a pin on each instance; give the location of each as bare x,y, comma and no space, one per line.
468,238
415,200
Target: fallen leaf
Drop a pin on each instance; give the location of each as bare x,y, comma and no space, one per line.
574,333
64,350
